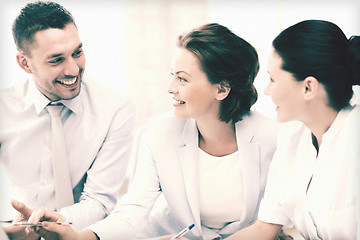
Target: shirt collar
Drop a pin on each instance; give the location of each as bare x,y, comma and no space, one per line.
338,123
40,101
75,104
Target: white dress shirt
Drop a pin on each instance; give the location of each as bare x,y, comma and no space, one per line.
327,209
98,128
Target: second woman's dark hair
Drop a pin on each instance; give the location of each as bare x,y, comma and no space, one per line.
320,49
226,59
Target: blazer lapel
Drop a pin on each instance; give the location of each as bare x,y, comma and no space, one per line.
188,155
249,153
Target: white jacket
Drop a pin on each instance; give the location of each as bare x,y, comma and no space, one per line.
167,163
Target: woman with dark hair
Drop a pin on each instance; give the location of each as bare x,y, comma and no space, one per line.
207,162
313,180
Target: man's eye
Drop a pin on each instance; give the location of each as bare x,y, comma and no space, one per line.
56,60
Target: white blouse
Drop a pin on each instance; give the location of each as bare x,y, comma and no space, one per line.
221,189
327,209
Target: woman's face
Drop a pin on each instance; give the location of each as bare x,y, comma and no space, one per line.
284,90
194,96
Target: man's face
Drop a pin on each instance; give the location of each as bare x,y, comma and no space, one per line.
57,62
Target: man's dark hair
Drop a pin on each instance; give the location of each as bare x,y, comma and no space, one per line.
36,17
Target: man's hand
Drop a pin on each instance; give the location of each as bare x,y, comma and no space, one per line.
29,232
18,232
46,217
51,229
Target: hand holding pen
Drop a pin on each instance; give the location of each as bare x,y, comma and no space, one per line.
15,228
183,232
41,222
31,224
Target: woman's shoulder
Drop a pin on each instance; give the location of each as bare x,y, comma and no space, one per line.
166,119
259,123
351,125
168,125
258,117
104,93
355,110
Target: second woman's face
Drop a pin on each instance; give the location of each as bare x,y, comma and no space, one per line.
285,91
194,96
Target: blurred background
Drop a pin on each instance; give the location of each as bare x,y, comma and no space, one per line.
129,43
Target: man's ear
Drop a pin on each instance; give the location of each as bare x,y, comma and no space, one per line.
223,90
22,60
311,87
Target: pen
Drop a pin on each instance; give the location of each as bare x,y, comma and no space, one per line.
39,224
183,232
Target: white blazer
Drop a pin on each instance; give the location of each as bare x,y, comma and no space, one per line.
168,164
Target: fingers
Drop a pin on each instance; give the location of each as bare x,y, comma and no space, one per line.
36,216
21,208
65,232
44,215
47,231
53,227
169,237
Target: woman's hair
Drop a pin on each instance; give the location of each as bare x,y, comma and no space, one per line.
320,49
228,60
36,17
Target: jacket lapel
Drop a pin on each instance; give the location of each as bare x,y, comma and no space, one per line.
188,156
250,159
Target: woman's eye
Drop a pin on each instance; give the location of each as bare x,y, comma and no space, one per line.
182,79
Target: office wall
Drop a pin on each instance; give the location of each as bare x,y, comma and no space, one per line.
129,43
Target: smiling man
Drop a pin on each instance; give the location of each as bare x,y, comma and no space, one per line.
56,61
98,122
